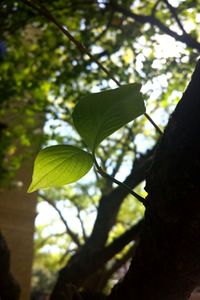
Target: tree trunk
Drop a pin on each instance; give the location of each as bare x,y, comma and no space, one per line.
166,265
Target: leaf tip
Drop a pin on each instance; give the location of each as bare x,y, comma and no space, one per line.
31,189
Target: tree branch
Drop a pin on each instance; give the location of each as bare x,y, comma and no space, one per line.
81,223
109,205
105,29
153,12
184,38
69,231
116,266
44,241
175,16
119,243
89,260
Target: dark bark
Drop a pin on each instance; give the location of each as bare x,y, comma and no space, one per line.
167,261
9,289
93,255
119,263
88,262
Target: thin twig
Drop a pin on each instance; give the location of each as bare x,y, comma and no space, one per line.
155,7
43,242
41,9
153,123
105,29
175,16
73,235
81,222
119,183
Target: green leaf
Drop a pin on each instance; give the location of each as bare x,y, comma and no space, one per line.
98,115
59,165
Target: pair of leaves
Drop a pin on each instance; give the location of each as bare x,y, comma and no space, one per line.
95,117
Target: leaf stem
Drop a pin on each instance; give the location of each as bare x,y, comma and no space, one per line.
119,183
45,12
153,123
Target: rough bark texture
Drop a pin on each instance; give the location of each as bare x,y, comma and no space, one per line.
166,265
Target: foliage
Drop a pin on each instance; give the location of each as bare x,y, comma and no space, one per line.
95,118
